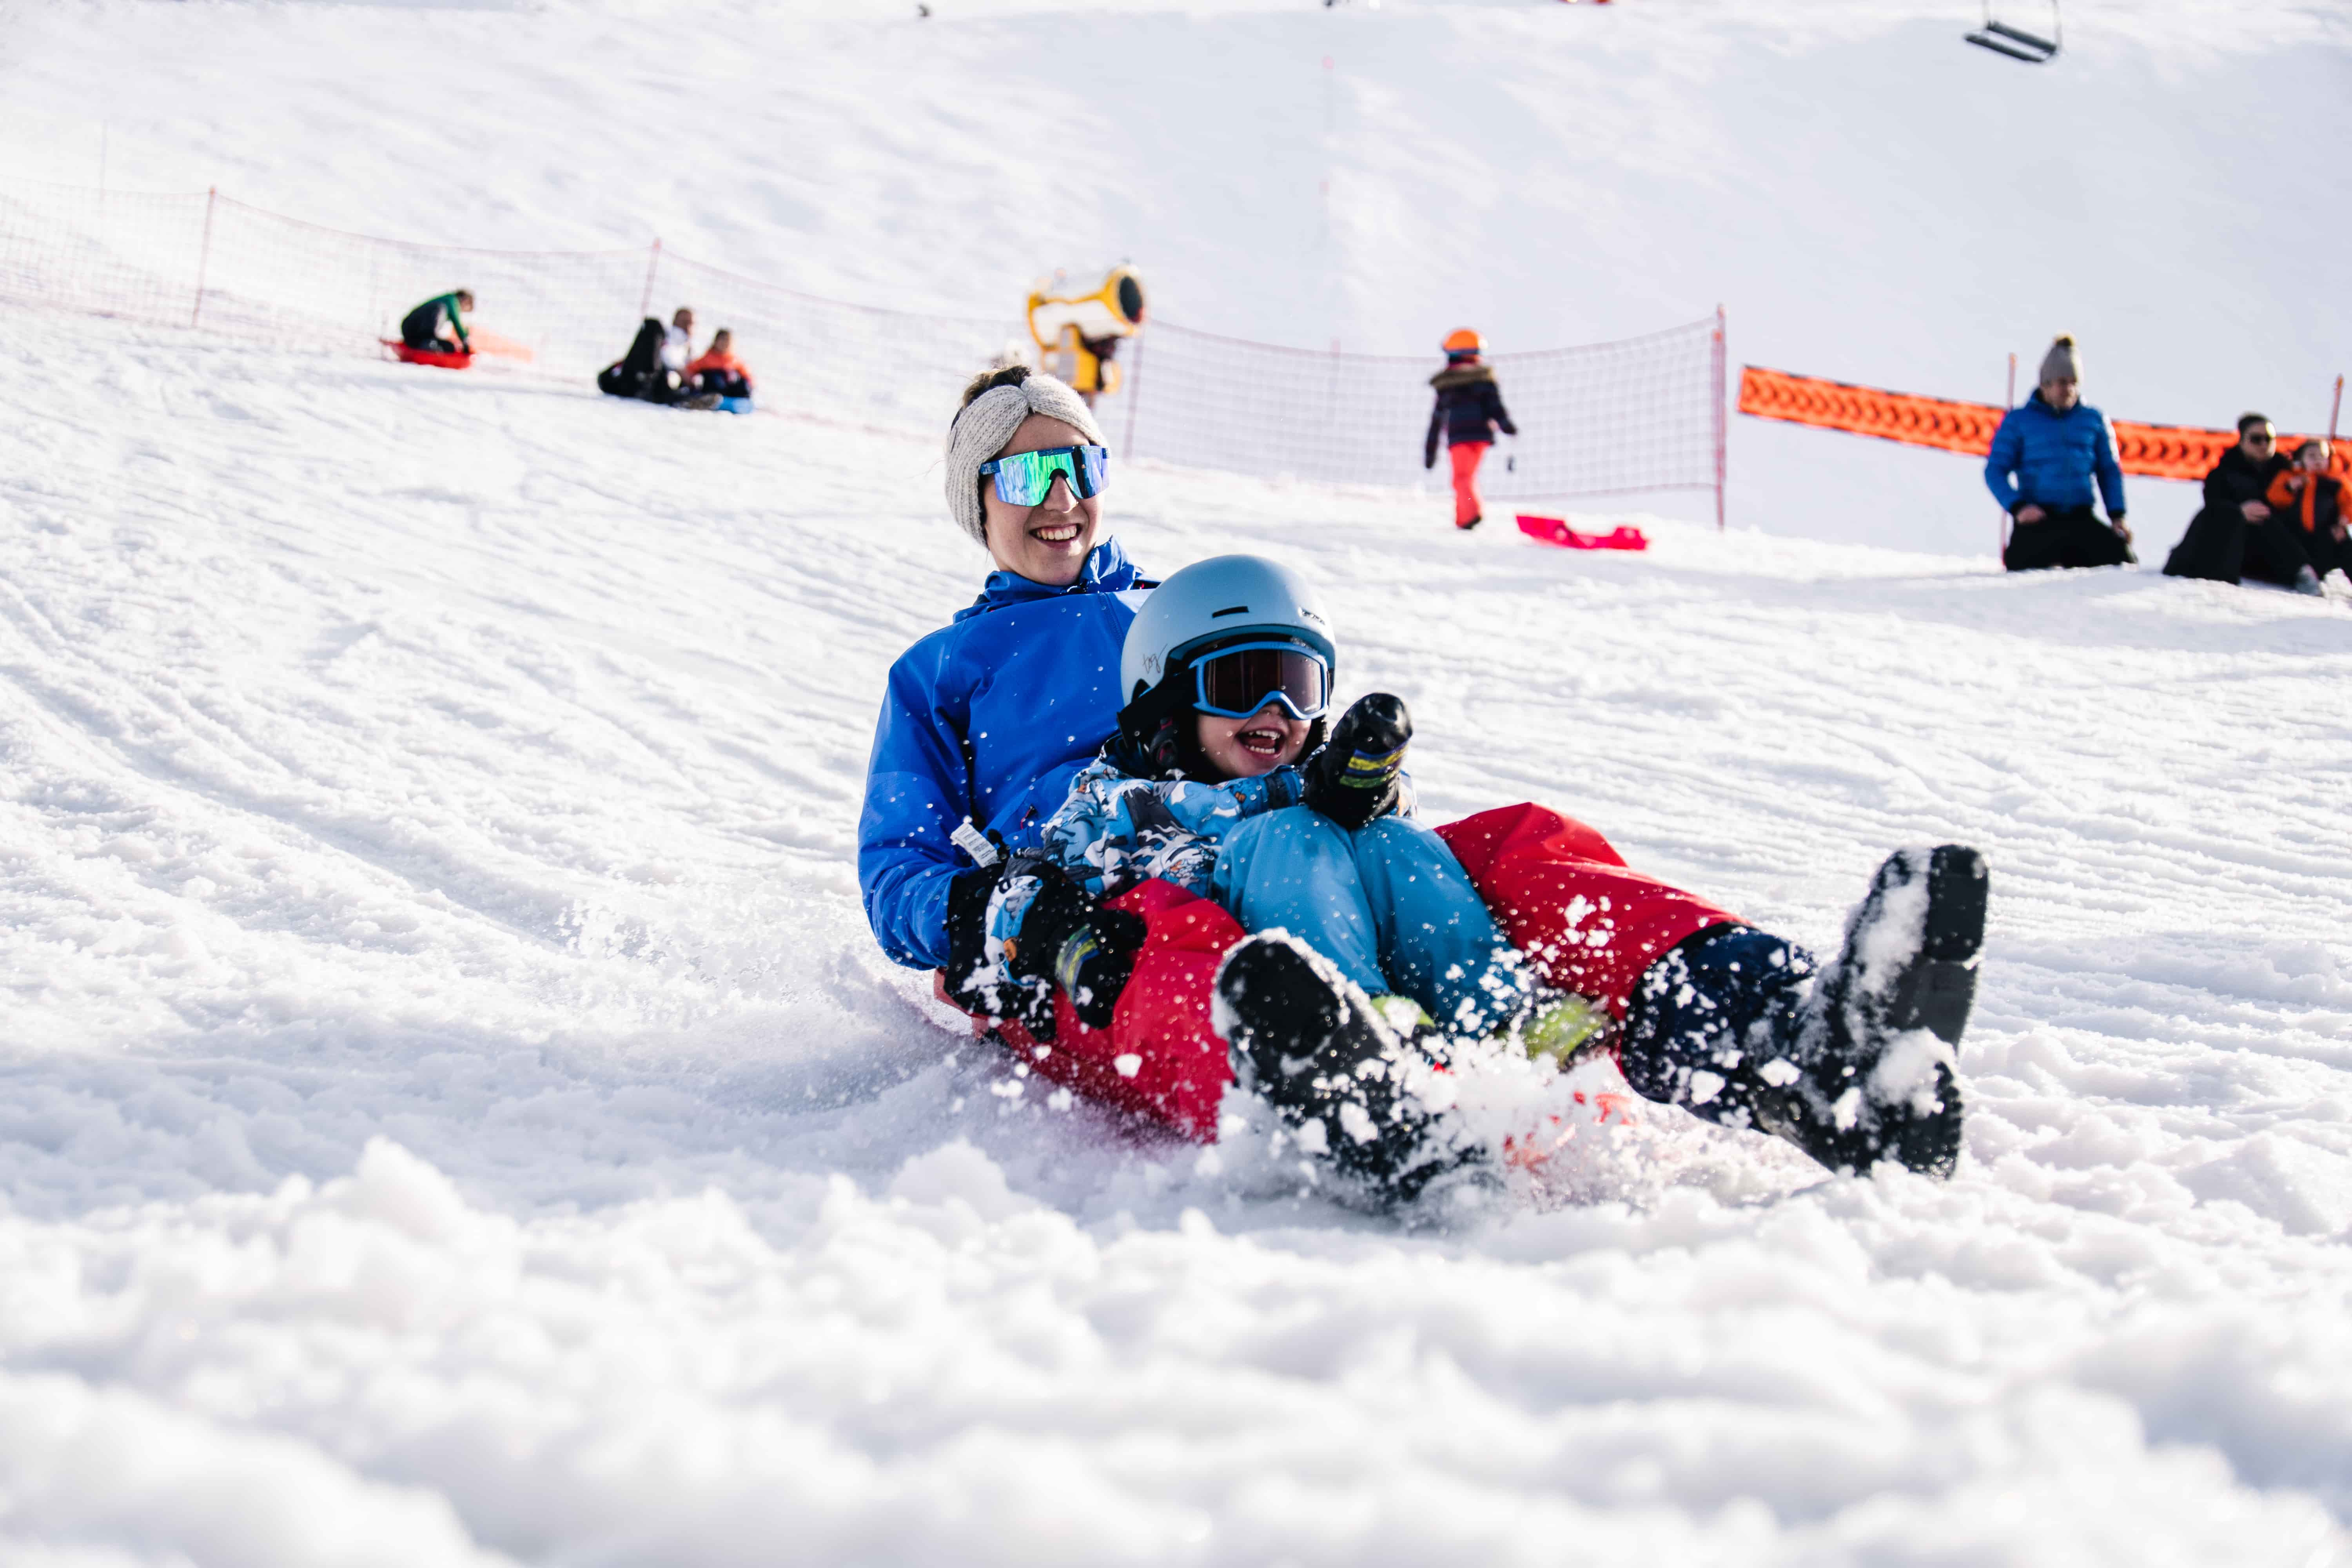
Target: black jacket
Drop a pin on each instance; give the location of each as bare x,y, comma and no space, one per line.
2214,546
639,373
1469,407
2238,478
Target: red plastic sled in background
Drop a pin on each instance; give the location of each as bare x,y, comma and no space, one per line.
1555,530
407,355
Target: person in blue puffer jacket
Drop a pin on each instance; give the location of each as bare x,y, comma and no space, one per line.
988,719
2045,457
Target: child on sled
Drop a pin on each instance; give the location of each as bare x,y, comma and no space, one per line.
1372,950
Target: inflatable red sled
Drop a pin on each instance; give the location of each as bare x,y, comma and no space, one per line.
1555,530
407,355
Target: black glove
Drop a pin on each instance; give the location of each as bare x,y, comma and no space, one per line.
1068,939
970,981
1358,775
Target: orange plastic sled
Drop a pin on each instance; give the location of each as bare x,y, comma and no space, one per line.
2157,451
407,355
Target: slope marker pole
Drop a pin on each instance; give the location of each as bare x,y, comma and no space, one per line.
645,305
204,256
1721,418
2012,403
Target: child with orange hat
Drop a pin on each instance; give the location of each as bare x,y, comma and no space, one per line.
1469,409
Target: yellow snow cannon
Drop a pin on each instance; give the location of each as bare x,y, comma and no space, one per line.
1077,334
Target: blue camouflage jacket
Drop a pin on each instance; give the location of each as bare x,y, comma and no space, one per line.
1115,829
988,718
2054,456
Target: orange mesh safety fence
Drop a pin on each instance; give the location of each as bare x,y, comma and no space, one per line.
2157,451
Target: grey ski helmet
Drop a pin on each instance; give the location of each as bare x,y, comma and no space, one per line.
1215,601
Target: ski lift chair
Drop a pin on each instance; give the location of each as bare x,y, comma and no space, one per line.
2016,42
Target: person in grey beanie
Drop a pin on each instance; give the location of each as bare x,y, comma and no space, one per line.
2045,457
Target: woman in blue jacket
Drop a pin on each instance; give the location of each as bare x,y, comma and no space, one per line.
987,720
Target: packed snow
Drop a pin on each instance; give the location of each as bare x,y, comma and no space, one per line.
452,1110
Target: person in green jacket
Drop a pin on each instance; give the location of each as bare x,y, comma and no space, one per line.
421,328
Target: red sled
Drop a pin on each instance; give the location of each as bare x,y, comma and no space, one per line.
1555,530
407,355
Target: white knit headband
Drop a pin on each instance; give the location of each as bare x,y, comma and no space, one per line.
987,423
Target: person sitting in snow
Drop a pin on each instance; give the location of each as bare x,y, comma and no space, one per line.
1469,409
2238,528
677,342
640,373
719,373
2045,455
986,723
2309,501
424,328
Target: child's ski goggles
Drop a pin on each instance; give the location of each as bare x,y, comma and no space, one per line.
1235,682
1023,478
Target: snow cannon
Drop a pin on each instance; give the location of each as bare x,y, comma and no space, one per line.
1077,334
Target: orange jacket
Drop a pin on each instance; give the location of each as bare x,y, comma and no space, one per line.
2298,490
714,360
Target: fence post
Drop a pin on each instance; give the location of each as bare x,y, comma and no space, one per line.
1134,396
1721,419
203,255
2010,402
645,305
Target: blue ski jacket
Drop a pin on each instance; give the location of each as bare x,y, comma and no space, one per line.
1115,829
2054,458
990,717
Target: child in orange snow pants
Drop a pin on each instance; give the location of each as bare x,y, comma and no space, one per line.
1467,510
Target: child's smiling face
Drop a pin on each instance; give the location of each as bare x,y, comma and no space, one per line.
1250,748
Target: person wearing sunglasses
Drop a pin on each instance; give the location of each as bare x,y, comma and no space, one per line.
2237,530
986,723
985,720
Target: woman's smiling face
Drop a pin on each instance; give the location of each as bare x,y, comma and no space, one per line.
1047,543
1249,748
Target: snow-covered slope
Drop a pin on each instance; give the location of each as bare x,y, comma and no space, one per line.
1871,198
451,1110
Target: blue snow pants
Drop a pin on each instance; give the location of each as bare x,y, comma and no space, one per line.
1387,902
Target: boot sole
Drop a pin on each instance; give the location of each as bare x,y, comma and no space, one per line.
1937,993
1275,995
1302,1042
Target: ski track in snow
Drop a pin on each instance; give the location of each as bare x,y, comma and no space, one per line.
452,1110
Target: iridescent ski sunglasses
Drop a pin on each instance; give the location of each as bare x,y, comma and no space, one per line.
1023,478
1236,681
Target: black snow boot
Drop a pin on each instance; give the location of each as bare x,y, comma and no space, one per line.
1852,1073
1310,1043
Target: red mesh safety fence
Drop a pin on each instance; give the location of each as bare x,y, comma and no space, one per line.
105,254
2157,451
1645,414
1609,418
